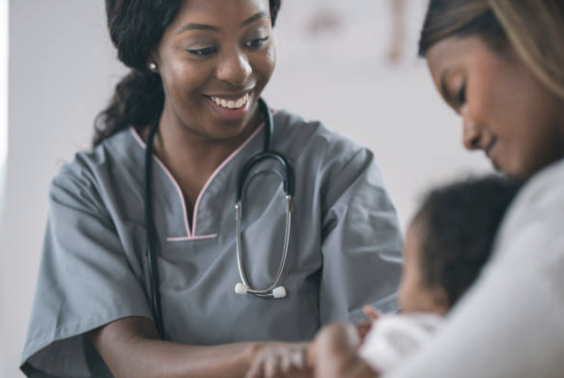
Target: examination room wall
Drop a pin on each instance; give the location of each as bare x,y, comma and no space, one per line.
332,66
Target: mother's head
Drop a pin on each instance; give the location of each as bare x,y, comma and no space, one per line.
500,65
185,57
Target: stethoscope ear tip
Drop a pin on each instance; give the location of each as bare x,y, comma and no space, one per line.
241,288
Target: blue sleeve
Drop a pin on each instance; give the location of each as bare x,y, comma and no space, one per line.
361,243
84,282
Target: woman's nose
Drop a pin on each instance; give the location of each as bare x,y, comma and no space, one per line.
234,68
471,137
471,133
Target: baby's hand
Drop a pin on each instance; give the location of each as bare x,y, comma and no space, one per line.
281,360
363,328
371,312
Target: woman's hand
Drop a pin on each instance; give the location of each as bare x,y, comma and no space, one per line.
278,360
335,354
334,350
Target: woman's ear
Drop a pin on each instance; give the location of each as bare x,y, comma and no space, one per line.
153,61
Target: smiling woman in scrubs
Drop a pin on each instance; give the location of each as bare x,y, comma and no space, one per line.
198,68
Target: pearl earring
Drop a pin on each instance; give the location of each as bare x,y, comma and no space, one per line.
152,66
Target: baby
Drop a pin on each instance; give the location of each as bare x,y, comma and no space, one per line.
446,246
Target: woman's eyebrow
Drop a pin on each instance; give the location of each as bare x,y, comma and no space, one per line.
254,18
204,27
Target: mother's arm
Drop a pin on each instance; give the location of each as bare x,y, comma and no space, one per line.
131,348
510,323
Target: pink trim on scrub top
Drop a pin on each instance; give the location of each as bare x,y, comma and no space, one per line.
165,169
179,191
217,170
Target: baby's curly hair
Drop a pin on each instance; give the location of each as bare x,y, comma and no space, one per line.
457,225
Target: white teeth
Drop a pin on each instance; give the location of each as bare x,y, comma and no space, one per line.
231,104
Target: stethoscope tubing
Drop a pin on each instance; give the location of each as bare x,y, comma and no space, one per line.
151,237
152,268
268,290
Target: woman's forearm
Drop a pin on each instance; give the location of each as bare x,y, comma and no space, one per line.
162,359
130,347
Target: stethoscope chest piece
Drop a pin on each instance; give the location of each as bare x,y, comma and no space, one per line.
276,293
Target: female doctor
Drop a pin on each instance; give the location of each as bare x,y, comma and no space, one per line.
146,270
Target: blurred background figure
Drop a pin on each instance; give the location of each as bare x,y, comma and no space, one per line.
397,43
397,39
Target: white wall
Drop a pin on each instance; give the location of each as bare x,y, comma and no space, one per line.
3,95
3,87
62,70
3,146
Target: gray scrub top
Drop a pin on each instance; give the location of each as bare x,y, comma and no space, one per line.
344,247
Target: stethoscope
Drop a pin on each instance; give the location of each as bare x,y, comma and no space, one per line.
244,287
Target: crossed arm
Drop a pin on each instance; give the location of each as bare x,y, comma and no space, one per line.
131,348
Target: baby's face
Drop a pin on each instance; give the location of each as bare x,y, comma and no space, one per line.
414,295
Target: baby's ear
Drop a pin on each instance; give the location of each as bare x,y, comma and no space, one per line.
441,301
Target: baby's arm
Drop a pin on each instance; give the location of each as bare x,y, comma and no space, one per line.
335,354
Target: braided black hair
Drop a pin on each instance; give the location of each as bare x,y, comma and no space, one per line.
136,28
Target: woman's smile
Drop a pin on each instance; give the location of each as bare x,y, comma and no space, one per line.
214,61
230,107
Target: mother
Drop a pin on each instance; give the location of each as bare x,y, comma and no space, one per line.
500,65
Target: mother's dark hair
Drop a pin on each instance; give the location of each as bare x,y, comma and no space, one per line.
136,28
460,18
535,29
